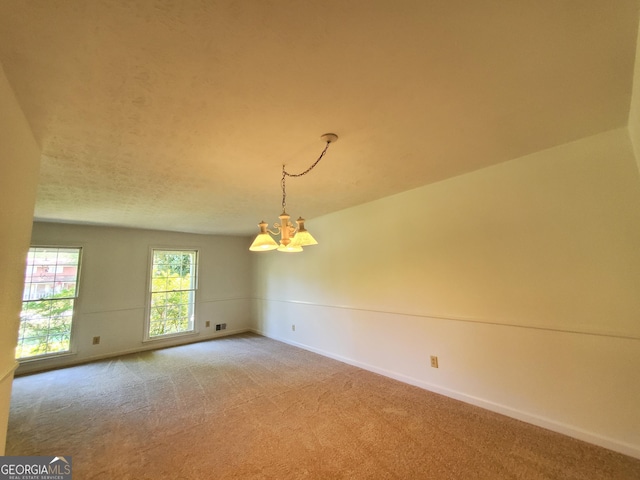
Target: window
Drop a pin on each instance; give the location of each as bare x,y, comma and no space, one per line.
173,286
50,291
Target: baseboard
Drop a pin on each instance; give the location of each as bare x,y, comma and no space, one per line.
555,426
42,367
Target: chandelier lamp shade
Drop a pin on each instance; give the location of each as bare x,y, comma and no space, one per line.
292,237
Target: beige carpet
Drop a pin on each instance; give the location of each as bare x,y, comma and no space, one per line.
247,407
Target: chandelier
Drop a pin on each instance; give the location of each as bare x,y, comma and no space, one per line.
292,238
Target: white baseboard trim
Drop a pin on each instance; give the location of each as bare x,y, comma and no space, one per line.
549,424
159,345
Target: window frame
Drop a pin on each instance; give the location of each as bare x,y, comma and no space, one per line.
74,312
147,337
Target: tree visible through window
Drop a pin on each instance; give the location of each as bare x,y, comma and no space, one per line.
50,291
173,289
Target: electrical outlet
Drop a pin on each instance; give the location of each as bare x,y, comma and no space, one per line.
96,340
434,361
207,324
293,327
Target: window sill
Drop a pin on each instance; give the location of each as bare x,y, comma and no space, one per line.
41,358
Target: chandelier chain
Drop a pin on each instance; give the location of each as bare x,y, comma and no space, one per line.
286,174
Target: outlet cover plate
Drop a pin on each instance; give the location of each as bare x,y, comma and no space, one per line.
434,361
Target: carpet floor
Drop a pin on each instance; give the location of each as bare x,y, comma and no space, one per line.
248,407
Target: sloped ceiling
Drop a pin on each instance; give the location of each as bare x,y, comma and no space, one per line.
178,115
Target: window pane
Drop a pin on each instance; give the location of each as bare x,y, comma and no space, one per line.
172,299
51,285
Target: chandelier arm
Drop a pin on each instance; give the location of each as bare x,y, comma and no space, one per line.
278,228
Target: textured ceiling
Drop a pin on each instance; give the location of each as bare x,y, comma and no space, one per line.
178,115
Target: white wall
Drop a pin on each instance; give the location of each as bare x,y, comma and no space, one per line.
522,278
113,287
19,166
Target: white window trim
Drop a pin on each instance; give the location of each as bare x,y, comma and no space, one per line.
146,338
74,316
